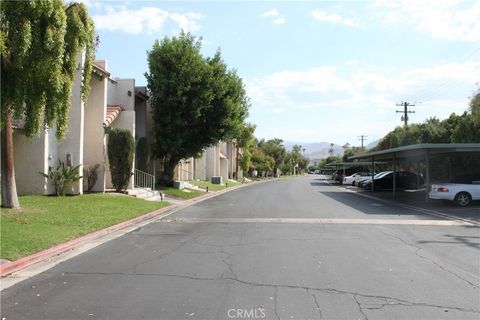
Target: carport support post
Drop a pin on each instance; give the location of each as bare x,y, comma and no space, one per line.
427,175
450,173
373,173
394,175
417,167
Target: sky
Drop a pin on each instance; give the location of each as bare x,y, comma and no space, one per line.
316,70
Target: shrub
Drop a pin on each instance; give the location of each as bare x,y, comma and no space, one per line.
91,175
143,154
62,177
121,149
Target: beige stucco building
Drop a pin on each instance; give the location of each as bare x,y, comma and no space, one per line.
112,103
39,154
219,160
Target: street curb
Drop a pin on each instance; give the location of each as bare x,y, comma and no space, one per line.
17,265
22,263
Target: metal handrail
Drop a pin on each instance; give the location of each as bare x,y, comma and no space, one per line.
144,180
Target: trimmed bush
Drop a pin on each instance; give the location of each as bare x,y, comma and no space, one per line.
121,150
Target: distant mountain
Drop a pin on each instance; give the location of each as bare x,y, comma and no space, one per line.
372,144
315,150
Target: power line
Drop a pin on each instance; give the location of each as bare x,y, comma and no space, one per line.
405,111
362,138
466,69
446,87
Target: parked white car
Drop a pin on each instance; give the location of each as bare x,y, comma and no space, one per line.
362,177
354,178
462,190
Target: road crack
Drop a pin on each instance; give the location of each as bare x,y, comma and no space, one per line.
275,305
418,249
316,303
391,300
360,307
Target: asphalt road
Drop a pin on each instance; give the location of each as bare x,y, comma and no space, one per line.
286,249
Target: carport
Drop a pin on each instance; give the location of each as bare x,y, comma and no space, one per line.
421,152
348,165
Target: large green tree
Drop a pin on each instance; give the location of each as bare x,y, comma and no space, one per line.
468,129
464,128
40,44
275,149
245,141
295,162
261,162
196,101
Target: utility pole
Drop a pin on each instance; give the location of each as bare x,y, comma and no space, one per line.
405,111
362,138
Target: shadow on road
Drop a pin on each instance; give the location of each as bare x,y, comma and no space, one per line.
414,198
470,241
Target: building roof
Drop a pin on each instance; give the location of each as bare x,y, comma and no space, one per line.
100,71
142,92
417,150
113,110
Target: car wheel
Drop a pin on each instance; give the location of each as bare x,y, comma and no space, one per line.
463,199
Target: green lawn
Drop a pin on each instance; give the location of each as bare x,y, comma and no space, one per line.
214,187
181,194
46,221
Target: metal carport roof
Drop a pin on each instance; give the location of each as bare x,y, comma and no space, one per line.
419,150
425,151
346,165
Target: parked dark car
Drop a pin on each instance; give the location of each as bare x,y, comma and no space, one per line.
362,183
403,180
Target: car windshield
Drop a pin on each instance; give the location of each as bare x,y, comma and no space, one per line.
382,174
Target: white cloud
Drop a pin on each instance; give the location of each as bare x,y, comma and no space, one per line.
278,110
276,17
271,13
447,19
328,87
333,18
351,62
145,19
339,103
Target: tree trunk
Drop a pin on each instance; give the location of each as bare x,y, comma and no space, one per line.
9,189
168,170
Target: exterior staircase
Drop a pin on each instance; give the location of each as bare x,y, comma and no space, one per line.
143,193
144,187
